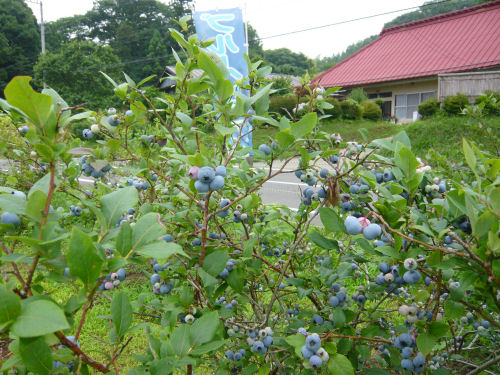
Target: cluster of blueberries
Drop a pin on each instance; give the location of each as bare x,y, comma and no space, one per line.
114,119
88,169
406,344
308,195
140,184
230,264
307,176
263,342
312,350
159,286
265,149
128,216
360,225
206,178
235,356
147,140
75,210
338,295
113,279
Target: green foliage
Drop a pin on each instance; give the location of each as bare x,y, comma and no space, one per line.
371,110
19,40
335,111
284,61
358,95
454,105
282,85
428,108
283,105
237,268
490,103
73,72
351,110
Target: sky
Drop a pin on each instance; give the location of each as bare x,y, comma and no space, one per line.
272,17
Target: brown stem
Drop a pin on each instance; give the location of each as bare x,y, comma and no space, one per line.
374,339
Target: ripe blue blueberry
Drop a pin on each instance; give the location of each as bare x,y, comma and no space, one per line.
353,226
122,274
206,175
237,357
165,288
298,173
311,182
201,187
313,342
224,273
406,352
259,347
129,113
372,231
196,242
334,159
334,301
306,352
10,218
155,278
321,193
217,183
221,171
407,364
230,354
268,341
87,134
323,173
384,267
315,361
114,120
388,176
265,149
412,276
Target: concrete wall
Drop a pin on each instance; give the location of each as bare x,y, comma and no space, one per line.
403,87
471,84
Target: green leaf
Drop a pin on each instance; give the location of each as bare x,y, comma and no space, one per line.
124,239
38,107
236,279
426,342
338,317
206,278
470,157
438,329
83,259
10,307
406,161
13,204
116,203
453,310
304,126
297,342
161,250
35,205
214,263
284,138
403,138
323,242
121,313
38,318
340,365
42,184
181,340
203,330
147,229
206,348
225,131
331,220
36,355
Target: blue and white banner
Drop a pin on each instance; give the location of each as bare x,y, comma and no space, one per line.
226,28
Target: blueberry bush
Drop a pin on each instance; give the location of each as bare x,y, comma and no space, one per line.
403,274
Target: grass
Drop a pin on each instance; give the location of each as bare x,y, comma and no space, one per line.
348,129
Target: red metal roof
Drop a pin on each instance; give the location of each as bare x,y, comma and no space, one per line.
462,40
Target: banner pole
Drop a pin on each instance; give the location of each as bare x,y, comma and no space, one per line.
246,25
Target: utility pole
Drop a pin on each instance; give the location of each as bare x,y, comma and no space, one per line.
42,32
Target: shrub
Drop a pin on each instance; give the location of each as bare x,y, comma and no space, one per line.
336,111
351,110
371,110
428,108
454,105
282,104
283,85
379,102
358,95
490,101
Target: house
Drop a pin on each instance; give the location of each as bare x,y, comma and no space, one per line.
167,83
405,64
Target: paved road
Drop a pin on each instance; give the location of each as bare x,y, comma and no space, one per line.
284,189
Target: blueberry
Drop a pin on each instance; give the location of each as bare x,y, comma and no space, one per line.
321,193
353,226
372,231
129,113
298,173
380,280
313,342
323,173
442,187
265,149
217,183
259,347
201,187
268,341
388,175
224,273
407,364
19,194
10,218
306,352
334,159
237,357
354,189
406,352
196,242
155,278
311,182
485,324
122,274
315,361
412,276
230,354
221,171
384,267
165,288
334,301
206,175
114,120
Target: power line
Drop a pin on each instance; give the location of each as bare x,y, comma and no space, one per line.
348,21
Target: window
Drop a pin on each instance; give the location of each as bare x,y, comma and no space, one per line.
380,95
406,104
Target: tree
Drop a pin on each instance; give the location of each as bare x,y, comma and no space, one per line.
285,61
255,50
19,40
74,72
